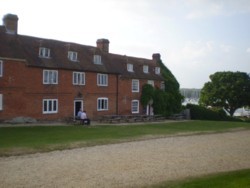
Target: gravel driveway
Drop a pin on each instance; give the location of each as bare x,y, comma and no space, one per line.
131,164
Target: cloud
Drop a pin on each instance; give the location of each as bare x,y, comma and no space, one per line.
226,48
196,49
211,8
204,9
248,50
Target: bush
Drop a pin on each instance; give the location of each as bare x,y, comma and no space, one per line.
202,113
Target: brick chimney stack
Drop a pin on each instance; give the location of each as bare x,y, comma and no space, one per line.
156,57
103,45
10,23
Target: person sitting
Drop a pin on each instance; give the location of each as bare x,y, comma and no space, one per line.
78,117
84,118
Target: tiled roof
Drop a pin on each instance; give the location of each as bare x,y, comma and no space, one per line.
27,47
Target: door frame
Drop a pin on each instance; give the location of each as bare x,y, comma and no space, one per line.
77,103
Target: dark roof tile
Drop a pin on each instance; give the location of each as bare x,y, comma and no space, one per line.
27,47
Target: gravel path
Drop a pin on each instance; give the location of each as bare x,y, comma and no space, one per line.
131,164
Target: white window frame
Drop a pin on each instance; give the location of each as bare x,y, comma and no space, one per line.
135,86
130,67
151,82
157,70
50,77
102,79
102,104
1,101
78,78
97,59
44,52
72,56
1,68
162,85
50,106
135,107
145,68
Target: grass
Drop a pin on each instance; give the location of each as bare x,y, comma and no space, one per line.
20,140
234,179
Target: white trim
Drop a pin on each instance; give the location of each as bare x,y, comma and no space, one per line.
135,83
157,70
44,52
97,59
82,105
102,107
50,77
145,69
130,67
151,82
72,56
102,79
54,106
137,107
80,78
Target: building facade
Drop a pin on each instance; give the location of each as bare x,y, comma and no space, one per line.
49,79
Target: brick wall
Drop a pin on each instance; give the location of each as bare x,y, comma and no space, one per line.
23,93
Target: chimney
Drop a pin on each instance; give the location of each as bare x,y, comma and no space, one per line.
103,45
10,23
156,57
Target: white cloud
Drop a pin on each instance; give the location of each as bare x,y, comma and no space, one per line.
226,48
248,50
210,8
194,50
204,9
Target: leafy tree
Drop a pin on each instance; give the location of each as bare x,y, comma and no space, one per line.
147,94
165,102
229,90
160,102
172,89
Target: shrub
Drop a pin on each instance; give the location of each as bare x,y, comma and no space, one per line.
202,113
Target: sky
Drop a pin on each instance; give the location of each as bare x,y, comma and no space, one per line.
195,38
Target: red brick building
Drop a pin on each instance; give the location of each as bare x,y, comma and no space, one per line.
49,79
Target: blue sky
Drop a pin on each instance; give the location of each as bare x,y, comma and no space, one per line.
195,38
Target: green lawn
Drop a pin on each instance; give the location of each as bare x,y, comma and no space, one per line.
235,179
20,140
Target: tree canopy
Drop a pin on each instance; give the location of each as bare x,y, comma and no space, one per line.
228,90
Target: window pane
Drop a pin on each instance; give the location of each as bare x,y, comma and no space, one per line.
135,106
50,105
54,105
135,85
1,68
45,76
45,109
1,101
102,104
74,78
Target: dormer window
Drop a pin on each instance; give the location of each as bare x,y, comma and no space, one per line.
130,67
157,70
97,59
145,68
44,52
72,56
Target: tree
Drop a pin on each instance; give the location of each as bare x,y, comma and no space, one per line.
147,94
172,89
167,101
228,90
